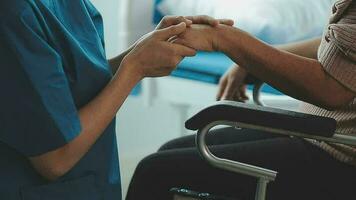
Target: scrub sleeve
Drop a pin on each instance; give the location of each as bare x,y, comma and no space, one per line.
38,113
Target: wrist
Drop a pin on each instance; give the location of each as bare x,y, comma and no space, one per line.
132,69
236,44
221,41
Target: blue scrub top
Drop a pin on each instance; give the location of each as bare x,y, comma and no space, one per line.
53,63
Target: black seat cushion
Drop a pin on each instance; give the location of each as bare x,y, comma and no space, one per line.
263,116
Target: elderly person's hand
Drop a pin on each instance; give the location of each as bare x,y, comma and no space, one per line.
201,37
232,85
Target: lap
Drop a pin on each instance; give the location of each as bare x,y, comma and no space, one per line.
302,170
219,137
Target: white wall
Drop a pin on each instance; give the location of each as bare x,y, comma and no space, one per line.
125,21
140,18
115,22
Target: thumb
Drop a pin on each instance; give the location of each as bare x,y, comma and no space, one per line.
171,31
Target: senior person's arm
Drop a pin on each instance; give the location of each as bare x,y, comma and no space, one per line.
307,48
233,84
300,77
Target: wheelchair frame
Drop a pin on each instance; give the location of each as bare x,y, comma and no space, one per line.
263,175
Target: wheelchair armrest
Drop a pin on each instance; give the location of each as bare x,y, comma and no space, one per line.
260,118
263,117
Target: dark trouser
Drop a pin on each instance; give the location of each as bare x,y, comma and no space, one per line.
305,172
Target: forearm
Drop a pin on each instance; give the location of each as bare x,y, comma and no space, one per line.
306,48
94,118
115,62
297,76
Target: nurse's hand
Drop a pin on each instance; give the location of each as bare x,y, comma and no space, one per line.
207,20
168,21
154,56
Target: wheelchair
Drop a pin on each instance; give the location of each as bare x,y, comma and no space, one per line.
258,117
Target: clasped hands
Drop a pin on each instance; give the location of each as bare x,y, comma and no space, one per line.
158,53
201,33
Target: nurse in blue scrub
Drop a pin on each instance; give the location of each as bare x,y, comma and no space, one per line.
60,95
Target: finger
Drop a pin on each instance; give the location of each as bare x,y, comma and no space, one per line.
169,69
203,19
237,97
173,39
180,41
230,91
243,93
171,31
227,22
183,51
174,20
188,44
222,86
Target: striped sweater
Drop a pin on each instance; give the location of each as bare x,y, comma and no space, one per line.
337,54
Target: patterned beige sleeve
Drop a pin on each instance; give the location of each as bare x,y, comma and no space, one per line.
337,52
344,36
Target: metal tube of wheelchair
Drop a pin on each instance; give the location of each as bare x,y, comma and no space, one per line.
337,138
264,175
230,165
261,189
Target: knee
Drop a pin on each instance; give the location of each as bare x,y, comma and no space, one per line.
166,146
144,164
147,166
182,142
173,144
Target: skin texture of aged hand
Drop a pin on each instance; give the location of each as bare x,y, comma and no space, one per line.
200,37
232,85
